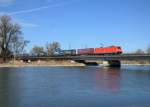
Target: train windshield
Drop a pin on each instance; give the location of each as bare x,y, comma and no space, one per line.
119,47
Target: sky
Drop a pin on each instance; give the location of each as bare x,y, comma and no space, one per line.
82,23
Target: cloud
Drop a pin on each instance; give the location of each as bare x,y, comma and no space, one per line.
25,23
6,2
3,13
25,11
34,9
22,22
29,11
29,25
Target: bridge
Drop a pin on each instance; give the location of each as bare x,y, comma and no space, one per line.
110,60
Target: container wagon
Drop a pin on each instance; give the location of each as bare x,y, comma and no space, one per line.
69,52
87,51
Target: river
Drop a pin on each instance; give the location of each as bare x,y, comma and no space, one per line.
128,86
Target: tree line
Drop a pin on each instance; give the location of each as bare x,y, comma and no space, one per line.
48,50
12,43
140,51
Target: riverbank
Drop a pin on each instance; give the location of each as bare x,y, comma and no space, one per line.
12,65
53,63
40,64
135,62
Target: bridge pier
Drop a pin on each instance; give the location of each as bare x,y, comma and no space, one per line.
111,63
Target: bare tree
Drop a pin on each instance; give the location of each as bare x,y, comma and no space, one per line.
50,48
38,51
18,45
7,30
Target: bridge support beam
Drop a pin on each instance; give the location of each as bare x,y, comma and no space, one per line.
87,63
111,63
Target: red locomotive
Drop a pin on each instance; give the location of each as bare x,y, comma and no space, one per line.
100,51
108,50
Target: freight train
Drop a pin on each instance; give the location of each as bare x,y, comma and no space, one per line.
90,51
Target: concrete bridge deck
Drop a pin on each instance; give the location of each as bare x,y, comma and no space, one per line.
92,57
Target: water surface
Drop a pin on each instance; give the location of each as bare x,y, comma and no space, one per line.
128,86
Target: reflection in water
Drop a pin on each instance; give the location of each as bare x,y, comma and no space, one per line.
74,87
109,79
